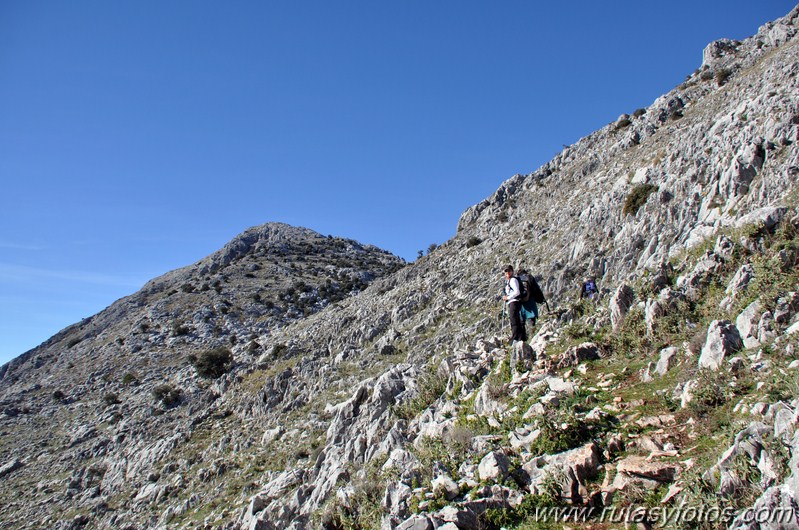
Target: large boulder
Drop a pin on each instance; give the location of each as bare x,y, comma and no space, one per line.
521,357
620,304
706,268
723,339
748,324
640,471
586,351
572,469
494,466
668,358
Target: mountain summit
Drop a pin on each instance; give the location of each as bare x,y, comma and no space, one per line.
293,380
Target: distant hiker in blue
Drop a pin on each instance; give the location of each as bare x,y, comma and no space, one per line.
589,290
512,297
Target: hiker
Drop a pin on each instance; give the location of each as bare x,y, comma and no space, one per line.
512,299
529,308
589,289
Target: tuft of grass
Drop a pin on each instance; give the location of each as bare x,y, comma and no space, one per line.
430,388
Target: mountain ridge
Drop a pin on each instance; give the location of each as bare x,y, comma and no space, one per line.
411,377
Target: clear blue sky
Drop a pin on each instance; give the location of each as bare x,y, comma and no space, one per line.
137,137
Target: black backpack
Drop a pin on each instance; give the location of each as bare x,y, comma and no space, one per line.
532,289
524,290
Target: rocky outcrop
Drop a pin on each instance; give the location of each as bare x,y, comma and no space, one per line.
723,340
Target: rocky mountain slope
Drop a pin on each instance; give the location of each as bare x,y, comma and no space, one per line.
135,361
402,407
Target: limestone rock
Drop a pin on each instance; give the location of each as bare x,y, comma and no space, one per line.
667,359
10,467
723,339
522,357
586,351
445,486
416,522
747,324
620,304
494,466
571,469
641,471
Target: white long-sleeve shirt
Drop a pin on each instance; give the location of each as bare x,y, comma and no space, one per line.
512,290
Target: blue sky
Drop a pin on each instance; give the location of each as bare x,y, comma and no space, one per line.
137,137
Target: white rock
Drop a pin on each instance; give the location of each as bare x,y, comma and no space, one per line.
668,358
444,485
493,466
723,339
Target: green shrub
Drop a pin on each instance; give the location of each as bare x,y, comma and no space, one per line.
167,394
212,363
129,379
473,241
111,399
637,198
713,390
565,432
364,508
722,75
623,123
179,329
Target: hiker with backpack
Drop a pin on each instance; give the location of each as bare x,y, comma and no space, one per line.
512,298
589,289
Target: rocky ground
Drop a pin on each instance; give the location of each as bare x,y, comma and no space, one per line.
403,407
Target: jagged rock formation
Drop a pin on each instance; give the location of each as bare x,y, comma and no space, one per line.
401,408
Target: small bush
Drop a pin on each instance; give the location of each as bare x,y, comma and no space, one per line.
473,241
623,123
111,399
179,329
212,363
129,379
637,198
722,75
712,391
167,394
59,396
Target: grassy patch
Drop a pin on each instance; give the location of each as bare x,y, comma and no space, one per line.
637,198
